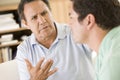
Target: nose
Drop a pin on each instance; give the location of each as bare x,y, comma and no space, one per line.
70,21
41,19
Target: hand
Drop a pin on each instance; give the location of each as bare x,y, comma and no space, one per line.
40,72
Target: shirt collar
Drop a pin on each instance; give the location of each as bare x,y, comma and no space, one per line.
109,36
61,31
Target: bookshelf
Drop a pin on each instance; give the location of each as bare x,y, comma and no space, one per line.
20,31
9,49
12,31
17,34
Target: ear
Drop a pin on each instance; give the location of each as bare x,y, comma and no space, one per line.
24,24
90,21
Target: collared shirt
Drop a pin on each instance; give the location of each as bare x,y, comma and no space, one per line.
72,60
107,65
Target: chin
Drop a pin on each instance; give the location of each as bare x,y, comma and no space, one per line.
76,40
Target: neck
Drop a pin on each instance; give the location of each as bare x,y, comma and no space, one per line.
96,38
47,42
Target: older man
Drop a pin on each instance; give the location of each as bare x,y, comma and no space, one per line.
52,41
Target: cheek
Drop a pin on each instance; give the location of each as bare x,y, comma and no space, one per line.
77,32
34,29
75,26
33,25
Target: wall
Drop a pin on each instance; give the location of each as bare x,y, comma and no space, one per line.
60,10
4,2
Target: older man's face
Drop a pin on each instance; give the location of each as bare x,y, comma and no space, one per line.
39,20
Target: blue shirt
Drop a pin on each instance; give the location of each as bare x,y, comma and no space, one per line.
73,61
107,65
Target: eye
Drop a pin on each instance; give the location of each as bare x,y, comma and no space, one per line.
34,17
70,15
43,13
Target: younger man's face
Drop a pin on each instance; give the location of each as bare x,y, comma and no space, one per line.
77,27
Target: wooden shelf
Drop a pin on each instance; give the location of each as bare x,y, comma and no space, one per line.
8,7
17,33
13,44
14,30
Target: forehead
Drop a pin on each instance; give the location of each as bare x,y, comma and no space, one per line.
35,6
72,11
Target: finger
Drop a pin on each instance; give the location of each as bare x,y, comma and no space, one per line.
39,63
47,65
52,72
29,65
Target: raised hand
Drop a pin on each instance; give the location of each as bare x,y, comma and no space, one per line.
40,71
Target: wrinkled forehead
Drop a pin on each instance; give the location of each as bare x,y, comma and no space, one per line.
35,7
71,10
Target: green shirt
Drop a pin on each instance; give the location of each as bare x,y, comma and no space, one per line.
108,60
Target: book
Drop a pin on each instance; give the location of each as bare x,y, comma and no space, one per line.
6,15
6,54
7,22
9,42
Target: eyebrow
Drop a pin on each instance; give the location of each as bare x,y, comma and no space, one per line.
43,13
69,13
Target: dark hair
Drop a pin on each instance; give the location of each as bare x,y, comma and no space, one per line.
22,4
106,12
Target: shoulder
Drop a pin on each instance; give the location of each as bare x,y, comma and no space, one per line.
26,43
24,49
63,28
